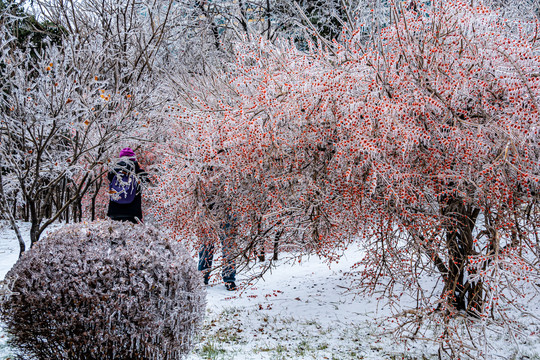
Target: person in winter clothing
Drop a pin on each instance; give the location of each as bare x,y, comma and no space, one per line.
219,213
228,244
129,209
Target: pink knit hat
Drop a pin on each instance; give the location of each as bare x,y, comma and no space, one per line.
127,152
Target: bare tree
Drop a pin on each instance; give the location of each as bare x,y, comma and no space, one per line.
67,108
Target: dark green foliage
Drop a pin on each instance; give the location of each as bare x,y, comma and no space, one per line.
326,16
28,32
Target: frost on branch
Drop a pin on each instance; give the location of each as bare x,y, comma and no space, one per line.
424,146
105,290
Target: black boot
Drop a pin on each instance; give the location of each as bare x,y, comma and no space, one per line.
230,286
206,278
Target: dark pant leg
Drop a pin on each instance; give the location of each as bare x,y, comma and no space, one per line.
228,246
206,255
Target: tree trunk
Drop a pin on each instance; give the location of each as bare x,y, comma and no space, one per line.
56,198
79,209
268,20
276,244
460,222
34,223
93,207
97,186
67,208
5,208
62,199
15,206
26,211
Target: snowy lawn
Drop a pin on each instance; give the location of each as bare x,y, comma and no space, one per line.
299,311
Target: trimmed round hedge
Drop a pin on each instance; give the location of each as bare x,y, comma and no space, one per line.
105,290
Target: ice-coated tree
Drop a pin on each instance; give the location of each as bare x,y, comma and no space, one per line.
298,20
59,125
68,108
423,145
524,10
104,290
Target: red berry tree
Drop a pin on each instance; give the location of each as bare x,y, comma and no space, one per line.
423,145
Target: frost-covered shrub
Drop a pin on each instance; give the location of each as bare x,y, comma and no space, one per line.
105,290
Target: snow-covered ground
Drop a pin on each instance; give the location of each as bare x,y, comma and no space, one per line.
298,311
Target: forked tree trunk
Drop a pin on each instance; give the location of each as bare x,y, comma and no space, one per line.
459,291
